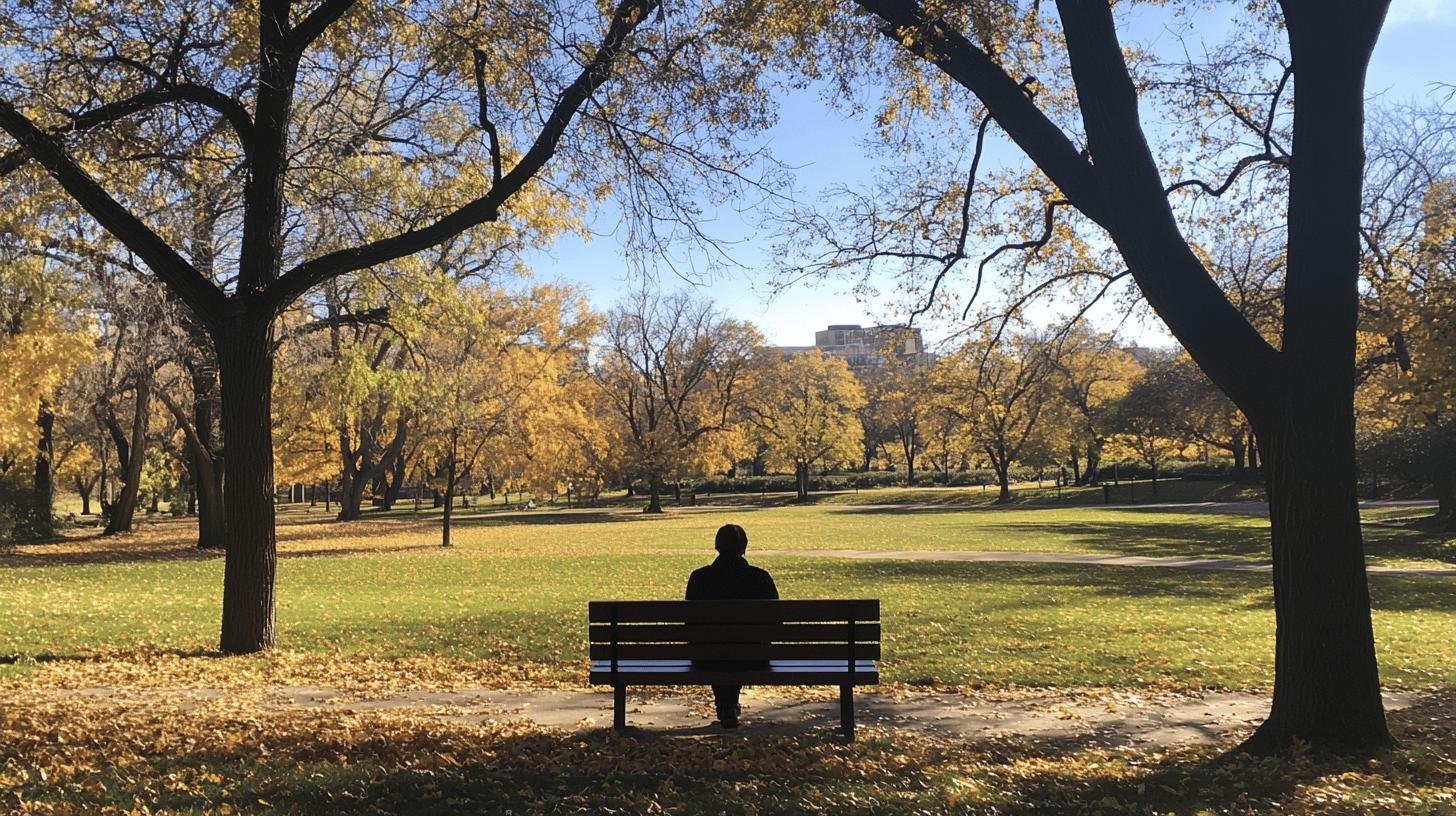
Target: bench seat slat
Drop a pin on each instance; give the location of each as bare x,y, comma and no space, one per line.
734,651
779,672
734,611
734,632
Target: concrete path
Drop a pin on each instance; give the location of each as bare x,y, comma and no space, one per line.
1103,718
1239,508
1210,564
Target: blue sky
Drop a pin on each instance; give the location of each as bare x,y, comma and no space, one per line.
1415,52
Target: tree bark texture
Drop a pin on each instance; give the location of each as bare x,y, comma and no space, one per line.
245,365
211,511
396,481
44,489
1326,684
123,509
83,489
204,469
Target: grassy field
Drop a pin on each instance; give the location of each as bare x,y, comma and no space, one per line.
515,587
376,607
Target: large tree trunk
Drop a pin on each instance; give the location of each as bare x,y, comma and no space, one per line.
654,501
801,480
1326,685
1002,466
245,364
1326,681
131,452
1094,462
44,491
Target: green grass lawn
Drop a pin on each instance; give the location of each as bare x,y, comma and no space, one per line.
377,606
515,588
939,519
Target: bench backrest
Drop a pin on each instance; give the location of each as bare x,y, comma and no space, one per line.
735,630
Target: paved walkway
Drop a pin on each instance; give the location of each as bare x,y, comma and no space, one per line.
1209,564
1241,508
1093,717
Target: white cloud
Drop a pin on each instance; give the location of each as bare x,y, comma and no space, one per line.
1421,11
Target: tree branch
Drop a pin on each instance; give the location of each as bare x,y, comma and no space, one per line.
1006,99
485,122
628,15
311,27
236,115
201,296
1143,226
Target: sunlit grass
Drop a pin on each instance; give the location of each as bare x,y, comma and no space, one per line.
515,588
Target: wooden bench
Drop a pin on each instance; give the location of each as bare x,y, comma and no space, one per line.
804,643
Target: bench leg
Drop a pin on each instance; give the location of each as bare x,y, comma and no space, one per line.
846,710
619,707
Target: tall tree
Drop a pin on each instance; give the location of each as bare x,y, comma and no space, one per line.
1299,396
675,374
238,72
489,361
1003,384
1092,374
807,414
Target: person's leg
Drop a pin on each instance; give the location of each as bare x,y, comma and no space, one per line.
725,700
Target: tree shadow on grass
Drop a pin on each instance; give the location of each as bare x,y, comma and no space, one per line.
1127,582
121,551
1395,593
1182,538
1423,537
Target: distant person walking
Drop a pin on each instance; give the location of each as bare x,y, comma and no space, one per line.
730,578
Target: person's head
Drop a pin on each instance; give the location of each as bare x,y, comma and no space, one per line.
731,540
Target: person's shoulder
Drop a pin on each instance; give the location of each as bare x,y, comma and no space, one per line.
760,573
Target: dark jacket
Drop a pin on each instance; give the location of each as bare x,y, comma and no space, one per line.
730,578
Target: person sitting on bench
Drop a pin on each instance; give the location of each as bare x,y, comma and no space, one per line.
730,578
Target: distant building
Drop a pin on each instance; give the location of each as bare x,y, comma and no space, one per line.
865,346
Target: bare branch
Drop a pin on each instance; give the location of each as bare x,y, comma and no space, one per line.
485,122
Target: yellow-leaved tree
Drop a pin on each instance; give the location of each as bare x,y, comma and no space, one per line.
807,415
40,345
676,376
488,359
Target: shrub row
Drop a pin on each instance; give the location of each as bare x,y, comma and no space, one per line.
777,483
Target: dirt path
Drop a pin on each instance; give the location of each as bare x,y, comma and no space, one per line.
1095,717
1214,564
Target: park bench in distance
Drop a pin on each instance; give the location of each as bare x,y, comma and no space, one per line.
806,643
